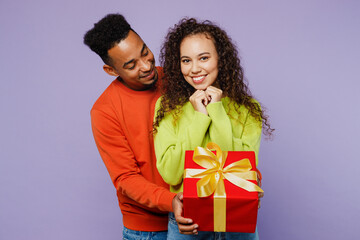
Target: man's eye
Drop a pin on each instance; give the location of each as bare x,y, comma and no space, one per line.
145,52
131,68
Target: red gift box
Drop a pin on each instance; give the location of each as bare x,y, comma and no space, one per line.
240,212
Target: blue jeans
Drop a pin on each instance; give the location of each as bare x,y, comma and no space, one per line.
174,234
129,234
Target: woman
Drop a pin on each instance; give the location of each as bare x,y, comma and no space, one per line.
205,99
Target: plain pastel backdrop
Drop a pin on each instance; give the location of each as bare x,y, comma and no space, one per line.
301,59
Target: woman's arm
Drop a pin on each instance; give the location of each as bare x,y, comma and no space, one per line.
240,132
171,141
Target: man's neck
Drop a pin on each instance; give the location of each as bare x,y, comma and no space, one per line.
145,87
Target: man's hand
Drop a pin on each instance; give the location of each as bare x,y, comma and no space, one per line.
185,225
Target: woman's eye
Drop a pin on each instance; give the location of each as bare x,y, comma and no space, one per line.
185,60
204,58
146,53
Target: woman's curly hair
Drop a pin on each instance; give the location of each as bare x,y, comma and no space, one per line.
230,79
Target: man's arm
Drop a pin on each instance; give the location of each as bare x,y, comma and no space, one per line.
122,166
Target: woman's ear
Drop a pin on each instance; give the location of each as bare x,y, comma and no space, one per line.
110,70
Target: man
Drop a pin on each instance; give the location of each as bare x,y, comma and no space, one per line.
122,123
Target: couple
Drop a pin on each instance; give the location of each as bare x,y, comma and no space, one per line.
204,99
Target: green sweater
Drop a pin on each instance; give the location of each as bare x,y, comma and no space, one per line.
193,129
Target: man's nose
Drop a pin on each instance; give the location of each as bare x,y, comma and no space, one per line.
145,65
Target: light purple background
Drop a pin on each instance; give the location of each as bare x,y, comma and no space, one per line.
301,59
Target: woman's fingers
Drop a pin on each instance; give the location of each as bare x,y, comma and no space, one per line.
215,94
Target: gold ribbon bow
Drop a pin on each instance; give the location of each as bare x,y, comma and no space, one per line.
212,179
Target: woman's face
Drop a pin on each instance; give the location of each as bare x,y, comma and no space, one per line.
199,61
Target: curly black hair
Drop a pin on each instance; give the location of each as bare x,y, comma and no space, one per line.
230,79
106,33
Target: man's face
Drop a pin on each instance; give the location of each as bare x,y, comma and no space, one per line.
133,61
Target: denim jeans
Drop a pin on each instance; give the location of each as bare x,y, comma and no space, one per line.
174,234
129,234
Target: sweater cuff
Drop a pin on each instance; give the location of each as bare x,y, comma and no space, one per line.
167,199
202,117
215,110
200,123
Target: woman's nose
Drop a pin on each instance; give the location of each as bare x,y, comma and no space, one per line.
195,68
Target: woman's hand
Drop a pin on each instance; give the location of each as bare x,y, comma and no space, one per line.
199,100
259,178
214,94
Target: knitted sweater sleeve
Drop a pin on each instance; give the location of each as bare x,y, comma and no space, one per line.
171,142
122,166
220,129
232,135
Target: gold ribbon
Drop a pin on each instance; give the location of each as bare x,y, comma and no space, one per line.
212,179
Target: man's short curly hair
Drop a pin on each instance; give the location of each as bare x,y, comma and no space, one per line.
106,33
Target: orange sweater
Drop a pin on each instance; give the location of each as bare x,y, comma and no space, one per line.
121,122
